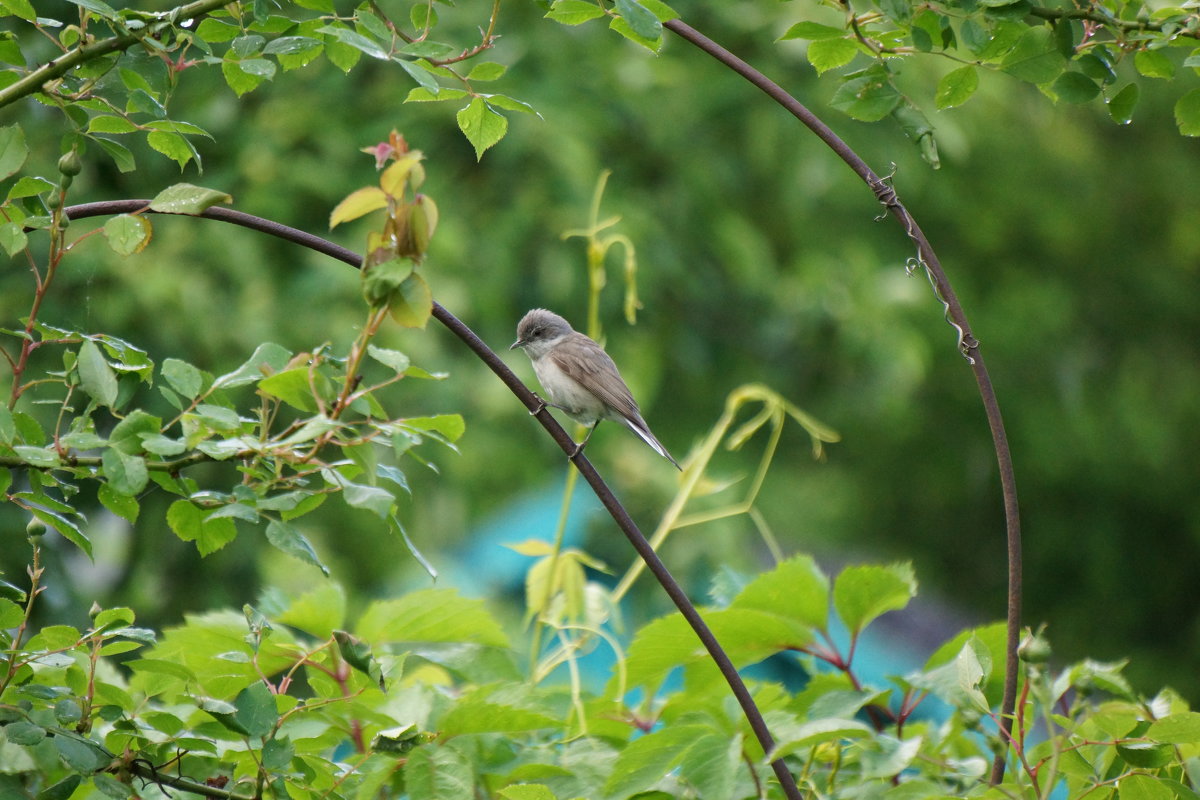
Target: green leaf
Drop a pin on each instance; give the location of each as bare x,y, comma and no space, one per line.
355,40
527,791
1075,87
482,126
106,123
827,54
712,764
867,98
574,12
812,31
61,790
256,710
1035,58
292,387
430,615
13,150
173,146
128,234
1180,728
956,87
24,733
451,426
413,304
318,612
123,505
1143,787
641,20
184,198
357,204
370,498
486,71
192,524
20,8
126,474
28,186
436,771
81,755
111,787
127,434
290,540
267,358
792,736
183,377
1122,104
1154,64
862,593
1187,113
97,377
13,238
646,760
797,589
389,358
98,6
118,152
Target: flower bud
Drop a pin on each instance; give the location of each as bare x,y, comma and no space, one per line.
69,164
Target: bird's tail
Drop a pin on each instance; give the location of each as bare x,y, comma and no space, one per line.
640,427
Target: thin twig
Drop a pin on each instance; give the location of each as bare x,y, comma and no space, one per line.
968,345
56,68
589,473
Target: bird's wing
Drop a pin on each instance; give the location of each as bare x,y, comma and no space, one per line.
596,372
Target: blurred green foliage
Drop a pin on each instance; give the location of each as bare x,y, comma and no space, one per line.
1073,245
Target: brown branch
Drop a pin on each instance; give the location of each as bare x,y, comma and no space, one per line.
1124,25
968,345
568,445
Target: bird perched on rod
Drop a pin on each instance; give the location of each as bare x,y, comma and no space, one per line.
579,377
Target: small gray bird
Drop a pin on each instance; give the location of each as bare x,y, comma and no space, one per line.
579,377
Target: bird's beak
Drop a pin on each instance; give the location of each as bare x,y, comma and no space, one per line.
515,344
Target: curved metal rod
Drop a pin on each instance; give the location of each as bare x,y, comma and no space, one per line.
589,473
967,343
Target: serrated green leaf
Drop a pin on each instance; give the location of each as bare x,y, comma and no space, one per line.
123,505
184,198
292,387
318,612
13,150
641,20
183,377
956,87
482,126
267,358
438,771
95,374
1179,728
1187,113
1122,104
107,123
647,759
1075,87
1154,64
118,152
412,305
867,98
21,8
128,234
13,238
797,588
173,146
827,54
862,593
126,474
127,434
812,31
574,12
430,615
28,186
1035,57
290,540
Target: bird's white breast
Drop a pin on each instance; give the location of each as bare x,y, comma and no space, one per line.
565,392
